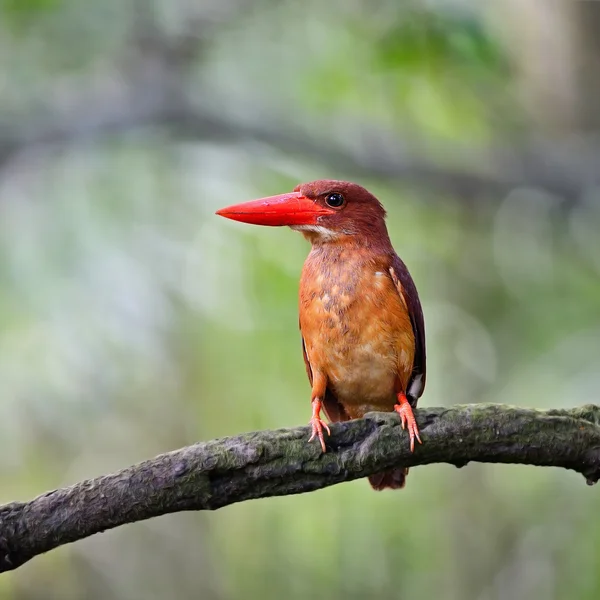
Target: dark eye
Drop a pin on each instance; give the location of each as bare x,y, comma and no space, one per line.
335,200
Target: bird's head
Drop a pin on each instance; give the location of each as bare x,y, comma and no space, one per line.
324,211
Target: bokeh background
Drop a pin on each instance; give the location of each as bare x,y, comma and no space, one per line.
134,321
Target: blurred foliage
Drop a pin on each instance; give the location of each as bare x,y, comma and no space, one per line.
134,321
23,10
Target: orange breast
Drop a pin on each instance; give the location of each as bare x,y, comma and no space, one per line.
356,329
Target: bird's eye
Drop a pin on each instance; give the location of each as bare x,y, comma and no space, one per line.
335,200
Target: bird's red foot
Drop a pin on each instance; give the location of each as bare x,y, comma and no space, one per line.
318,424
407,418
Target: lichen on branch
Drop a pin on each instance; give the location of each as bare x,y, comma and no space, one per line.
210,475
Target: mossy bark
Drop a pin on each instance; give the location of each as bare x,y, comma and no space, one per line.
209,475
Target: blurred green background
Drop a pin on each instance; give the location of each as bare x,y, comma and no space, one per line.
134,321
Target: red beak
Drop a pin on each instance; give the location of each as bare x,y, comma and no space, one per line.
285,209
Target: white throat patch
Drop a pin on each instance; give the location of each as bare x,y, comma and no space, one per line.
322,232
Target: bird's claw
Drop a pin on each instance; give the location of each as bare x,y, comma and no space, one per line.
408,421
317,431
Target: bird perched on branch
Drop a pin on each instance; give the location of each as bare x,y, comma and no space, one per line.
363,335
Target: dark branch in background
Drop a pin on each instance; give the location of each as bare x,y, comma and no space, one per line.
159,104
156,93
210,475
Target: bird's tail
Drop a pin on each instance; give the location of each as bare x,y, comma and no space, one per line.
393,479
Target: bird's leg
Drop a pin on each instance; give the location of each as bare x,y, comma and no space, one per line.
318,424
318,391
407,418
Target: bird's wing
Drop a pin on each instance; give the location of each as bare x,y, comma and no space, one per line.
333,409
408,292
306,361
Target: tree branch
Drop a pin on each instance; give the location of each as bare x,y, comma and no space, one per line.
209,475
152,88
563,169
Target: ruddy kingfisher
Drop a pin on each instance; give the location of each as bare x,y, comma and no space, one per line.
361,322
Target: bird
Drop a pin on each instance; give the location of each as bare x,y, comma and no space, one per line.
360,316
